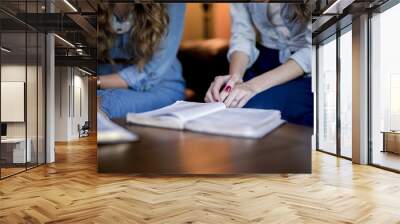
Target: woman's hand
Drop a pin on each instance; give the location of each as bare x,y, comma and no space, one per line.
112,81
237,68
240,95
214,93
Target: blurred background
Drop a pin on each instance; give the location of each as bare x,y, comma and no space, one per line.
204,46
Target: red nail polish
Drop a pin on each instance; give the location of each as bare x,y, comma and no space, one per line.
228,89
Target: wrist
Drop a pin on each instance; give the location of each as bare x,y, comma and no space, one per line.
98,82
236,77
254,85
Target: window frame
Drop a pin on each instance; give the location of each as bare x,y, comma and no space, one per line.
378,10
334,37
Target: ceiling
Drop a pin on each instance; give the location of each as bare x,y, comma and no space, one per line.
75,21
327,21
21,21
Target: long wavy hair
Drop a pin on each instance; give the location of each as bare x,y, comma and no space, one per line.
302,11
149,27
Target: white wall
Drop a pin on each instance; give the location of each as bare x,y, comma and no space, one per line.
71,102
61,103
16,73
12,73
80,109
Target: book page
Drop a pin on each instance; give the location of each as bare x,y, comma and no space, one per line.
237,122
175,115
240,117
193,111
185,111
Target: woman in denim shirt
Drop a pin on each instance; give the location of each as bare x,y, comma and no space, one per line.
139,70
272,71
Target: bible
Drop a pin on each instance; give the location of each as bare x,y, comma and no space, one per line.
211,118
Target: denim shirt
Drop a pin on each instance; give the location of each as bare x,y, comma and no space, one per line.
163,59
246,17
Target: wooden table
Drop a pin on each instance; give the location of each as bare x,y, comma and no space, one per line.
163,151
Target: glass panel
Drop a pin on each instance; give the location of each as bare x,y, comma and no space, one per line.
385,84
31,98
32,87
41,99
13,87
23,60
346,94
327,97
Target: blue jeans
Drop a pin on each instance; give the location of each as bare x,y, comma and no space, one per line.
116,103
294,99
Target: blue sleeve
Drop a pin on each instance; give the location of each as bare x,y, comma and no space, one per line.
162,60
243,34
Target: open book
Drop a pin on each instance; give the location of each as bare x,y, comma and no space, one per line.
212,118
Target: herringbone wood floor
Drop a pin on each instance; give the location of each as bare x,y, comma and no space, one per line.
71,191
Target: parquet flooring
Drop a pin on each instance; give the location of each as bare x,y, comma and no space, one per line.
10,171
71,191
